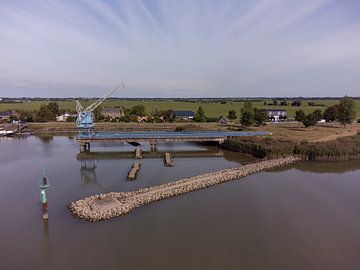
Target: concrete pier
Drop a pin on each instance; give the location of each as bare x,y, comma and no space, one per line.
134,170
138,153
84,147
168,162
114,204
153,147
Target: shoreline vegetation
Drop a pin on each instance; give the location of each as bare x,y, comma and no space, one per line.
340,149
106,206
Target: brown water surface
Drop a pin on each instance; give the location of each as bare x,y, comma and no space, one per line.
305,216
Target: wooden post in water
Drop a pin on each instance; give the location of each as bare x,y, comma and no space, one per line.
168,162
138,153
43,184
134,170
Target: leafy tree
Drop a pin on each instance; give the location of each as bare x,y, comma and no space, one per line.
260,116
54,110
44,114
26,116
125,118
275,102
311,103
211,119
309,120
138,110
347,111
299,115
169,115
71,119
232,115
247,114
331,113
13,118
318,115
200,115
97,114
284,102
296,103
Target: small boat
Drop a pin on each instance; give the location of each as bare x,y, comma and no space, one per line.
4,132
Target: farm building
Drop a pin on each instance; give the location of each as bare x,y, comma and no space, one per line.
276,114
142,119
112,112
222,120
184,115
64,117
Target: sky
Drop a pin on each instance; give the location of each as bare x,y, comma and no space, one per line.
187,48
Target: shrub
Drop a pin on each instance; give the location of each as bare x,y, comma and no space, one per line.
340,149
260,147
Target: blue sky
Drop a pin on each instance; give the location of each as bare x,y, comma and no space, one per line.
180,48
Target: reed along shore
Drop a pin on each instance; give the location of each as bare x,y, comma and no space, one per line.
106,206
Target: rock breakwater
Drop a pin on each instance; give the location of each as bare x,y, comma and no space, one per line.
106,206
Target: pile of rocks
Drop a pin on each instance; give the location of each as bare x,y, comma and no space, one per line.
113,204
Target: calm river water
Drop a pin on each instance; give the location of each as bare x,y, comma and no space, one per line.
305,216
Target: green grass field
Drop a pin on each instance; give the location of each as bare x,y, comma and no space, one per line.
211,109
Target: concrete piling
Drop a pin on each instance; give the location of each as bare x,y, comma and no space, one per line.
134,170
168,162
138,153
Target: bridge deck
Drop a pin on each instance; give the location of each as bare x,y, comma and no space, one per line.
161,136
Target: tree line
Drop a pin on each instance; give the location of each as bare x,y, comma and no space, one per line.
343,112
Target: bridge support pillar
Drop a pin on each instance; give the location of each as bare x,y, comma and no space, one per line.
153,147
84,147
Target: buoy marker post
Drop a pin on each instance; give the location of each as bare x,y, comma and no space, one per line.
43,184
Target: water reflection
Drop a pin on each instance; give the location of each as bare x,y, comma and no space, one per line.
310,219
203,153
329,167
323,167
88,174
47,244
46,139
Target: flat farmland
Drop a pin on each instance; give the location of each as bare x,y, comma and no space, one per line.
212,109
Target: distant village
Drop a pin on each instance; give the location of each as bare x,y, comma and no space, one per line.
249,115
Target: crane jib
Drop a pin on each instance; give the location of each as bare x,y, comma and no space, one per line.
85,117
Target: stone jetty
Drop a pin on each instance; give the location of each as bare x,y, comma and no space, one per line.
106,206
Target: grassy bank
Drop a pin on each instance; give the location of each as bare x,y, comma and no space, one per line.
343,148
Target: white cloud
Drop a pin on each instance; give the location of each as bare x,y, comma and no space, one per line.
198,48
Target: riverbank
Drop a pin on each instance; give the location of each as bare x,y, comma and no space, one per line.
114,204
340,149
283,131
